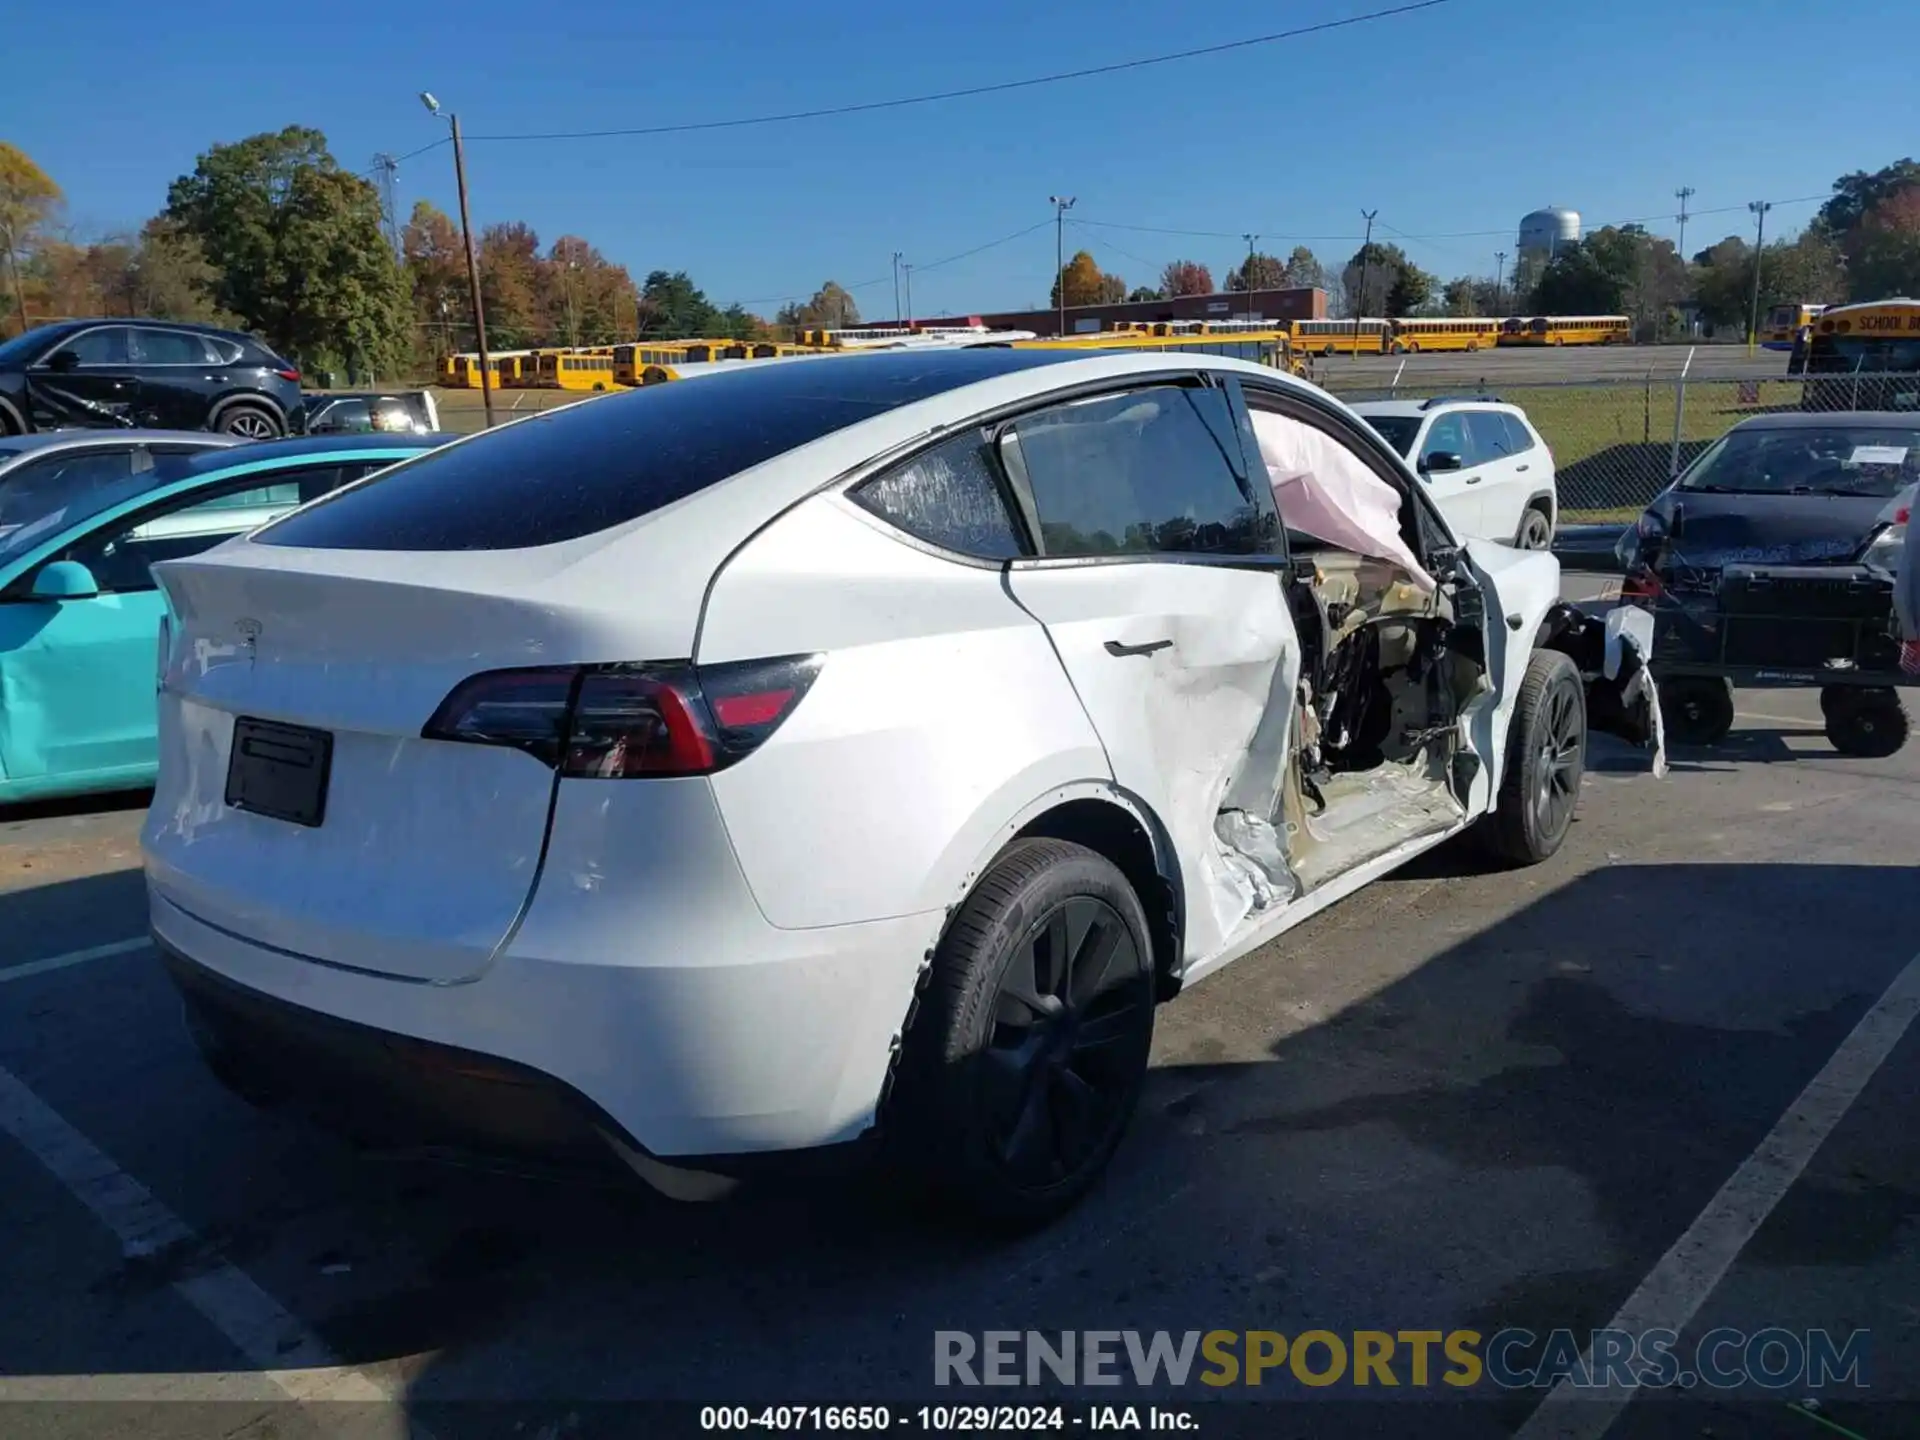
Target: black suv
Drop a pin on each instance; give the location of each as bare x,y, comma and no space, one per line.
150,374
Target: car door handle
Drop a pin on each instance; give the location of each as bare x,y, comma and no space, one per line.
1473,479
1114,647
1520,467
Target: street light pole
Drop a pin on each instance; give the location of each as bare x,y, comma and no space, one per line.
473,261
1246,276
1499,280
1366,266
896,287
1061,204
1759,209
906,274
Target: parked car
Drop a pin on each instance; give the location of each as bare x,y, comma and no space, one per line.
34,461
79,613
372,412
720,775
1483,463
1770,562
146,373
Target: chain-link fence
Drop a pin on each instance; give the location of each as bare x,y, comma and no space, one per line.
1616,443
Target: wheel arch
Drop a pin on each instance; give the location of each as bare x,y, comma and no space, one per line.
257,398
12,421
1545,500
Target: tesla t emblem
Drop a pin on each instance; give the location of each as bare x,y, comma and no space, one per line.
249,631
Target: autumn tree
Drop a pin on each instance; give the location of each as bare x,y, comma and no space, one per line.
1393,284
1304,270
1885,253
831,308
1084,283
28,198
512,287
298,250
1185,277
436,265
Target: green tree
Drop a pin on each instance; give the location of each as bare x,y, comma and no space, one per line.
1855,195
170,279
297,246
1258,272
28,198
1806,268
831,308
672,307
1390,278
1304,270
1412,290
1141,293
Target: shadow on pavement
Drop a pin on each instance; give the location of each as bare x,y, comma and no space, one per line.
68,805
1509,1131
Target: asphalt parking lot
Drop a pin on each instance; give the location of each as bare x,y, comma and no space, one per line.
1459,1100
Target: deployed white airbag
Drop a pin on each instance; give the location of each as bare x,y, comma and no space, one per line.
1324,490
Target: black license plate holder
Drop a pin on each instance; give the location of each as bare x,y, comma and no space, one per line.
279,771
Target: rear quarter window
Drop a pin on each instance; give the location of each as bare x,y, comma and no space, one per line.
949,496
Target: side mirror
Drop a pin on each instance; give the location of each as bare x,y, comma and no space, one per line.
63,361
65,580
1435,460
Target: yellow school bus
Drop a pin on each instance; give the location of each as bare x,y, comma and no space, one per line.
1864,357
575,370
1414,334
631,360
1785,322
1272,347
1567,330
1342,337
444,373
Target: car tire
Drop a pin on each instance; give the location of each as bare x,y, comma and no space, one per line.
1022,1066
1546,758
249,422
1866,724
1536,530
1695,710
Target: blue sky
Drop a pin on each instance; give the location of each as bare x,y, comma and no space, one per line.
1451,122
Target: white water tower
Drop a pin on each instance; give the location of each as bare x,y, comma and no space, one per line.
1545,231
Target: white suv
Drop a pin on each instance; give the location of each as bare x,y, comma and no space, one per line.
1483,463
729,770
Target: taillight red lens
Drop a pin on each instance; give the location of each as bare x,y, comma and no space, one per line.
616,722
289,374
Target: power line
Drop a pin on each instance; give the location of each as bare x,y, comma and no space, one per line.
998,88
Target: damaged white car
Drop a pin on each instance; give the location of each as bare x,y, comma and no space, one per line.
724,776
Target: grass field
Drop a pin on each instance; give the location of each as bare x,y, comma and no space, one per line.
1612,443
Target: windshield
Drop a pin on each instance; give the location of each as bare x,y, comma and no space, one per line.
24,346
1399,431
1834,459
39,500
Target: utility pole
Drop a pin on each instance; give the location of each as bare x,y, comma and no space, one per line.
1759,209
1366,265
906,274
1246,276
1683,195
1499,280
896,287
1061,204
473,261
13,264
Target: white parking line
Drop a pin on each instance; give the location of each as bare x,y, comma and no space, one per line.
72,957
1687,1274
286,1353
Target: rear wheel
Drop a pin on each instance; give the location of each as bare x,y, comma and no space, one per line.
1546,758
1536,530
1696,711
1026,1059
1868,724
249,422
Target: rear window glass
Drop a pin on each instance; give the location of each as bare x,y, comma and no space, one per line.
1398,431
600,464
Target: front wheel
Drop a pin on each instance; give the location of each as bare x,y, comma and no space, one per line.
1867,724
1546,759
1026,1059
1696,711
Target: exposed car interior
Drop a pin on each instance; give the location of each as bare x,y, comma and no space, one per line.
1386,660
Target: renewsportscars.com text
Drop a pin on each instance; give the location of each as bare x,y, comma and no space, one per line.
1512,1359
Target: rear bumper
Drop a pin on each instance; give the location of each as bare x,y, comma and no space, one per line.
714,1063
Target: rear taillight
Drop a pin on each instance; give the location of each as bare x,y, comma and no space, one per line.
289,373
618,722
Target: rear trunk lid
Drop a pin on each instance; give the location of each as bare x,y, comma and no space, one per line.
368,847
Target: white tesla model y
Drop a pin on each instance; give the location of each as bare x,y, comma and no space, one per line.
713,776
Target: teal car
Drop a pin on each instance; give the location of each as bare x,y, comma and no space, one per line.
79,611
